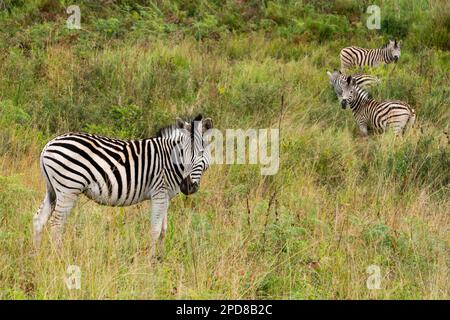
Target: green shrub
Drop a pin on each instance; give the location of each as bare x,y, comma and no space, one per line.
395,27
108,27
322,28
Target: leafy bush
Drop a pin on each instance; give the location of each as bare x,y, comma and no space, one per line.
120,118
395,27
109,27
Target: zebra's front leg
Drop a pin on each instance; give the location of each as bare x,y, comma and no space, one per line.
158,217
162,236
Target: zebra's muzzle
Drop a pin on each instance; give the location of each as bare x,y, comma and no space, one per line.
344,104
188,187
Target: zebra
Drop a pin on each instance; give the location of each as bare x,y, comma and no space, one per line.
118,172
379,116
359,57
337,80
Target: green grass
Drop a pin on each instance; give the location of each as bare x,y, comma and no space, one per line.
338,204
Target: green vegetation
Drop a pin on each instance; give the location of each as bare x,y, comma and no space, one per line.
339,202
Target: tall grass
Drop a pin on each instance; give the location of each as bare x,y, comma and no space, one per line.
338,204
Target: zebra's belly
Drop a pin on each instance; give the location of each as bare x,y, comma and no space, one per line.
362,64
94,193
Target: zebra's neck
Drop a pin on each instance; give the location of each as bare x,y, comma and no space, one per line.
361,100
386,55
173,158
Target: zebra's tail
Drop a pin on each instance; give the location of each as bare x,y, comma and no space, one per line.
411,119
50,190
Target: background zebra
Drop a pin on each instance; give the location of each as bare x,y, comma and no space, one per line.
377,115
359,57
338,79
121,173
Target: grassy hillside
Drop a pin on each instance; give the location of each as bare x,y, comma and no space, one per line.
339,203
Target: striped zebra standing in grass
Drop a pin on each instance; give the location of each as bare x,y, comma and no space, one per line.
379,116
121,173
360,57
338,79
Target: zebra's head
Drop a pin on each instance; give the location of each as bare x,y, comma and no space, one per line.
351,93
336,80
195,152
394,49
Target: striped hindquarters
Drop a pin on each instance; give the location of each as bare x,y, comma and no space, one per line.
110,171
396,115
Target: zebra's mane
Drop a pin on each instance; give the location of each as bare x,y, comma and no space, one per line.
385,45
172,129
166,131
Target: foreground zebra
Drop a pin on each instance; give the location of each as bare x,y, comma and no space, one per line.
121,173
338,79
379,116
359,57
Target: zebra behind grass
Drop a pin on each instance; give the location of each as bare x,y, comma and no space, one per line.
379,116
338,79
121,173
359,57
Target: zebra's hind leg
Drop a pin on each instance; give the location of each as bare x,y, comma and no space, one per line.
64,204
160,205
41,218
410,122
401,125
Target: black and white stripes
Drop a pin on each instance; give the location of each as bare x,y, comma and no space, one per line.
369,113
378,116
359,57
121,173
338,79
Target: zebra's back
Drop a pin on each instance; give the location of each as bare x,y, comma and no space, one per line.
365,80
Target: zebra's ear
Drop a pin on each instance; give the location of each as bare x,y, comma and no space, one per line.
207,124
180,123
349,80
